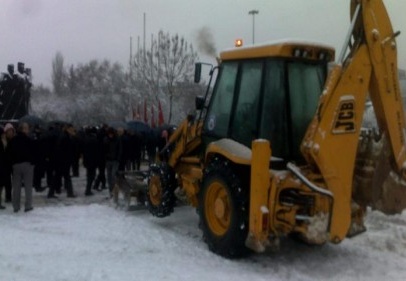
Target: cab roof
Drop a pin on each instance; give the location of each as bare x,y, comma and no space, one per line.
285,48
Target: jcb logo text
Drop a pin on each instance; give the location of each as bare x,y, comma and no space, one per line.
345,119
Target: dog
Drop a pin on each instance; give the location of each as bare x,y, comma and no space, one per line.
129,185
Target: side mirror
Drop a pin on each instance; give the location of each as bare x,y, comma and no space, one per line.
198,72
199,102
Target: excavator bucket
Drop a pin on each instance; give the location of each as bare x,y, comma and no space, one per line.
376,184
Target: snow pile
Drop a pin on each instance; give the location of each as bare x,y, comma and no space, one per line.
99,242
316,231
87,239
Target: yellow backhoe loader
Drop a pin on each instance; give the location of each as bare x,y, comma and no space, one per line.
272,151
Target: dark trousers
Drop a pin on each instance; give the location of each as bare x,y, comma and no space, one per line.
101,176
112,169
62,172
1,193
75,168
8,188
138,163
133,164
90,177
39,172
50,172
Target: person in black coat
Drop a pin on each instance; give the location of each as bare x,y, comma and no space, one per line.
112,152
40,166
101,165
9,133
5,169
151,145
134,150
91,157
48,143
124,143
63,159
77,153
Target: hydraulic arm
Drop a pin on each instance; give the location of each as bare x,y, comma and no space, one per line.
330,143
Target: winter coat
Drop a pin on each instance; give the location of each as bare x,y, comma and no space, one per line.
64,151
124,145
112,149
135,146
5,168
21,149
48,143
91,151
101,135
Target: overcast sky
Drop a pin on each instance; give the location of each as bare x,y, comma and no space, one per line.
32,31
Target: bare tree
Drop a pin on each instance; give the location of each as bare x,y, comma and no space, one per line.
169,62
59,75
90,93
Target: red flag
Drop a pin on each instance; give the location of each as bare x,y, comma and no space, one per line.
152,117
161,120
145,112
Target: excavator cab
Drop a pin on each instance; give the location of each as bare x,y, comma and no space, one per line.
268,92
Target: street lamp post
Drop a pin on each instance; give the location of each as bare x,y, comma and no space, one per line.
253,13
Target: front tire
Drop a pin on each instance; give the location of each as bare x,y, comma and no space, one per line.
223,210
161,199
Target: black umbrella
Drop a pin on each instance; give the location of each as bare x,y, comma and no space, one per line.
138,127
33,121
57,124
117,124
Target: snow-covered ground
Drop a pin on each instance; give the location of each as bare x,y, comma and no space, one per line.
88,239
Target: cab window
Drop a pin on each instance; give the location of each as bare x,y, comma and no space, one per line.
218,118
244,124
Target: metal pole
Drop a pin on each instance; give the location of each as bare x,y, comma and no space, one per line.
138,47
253,13
144,34
131,52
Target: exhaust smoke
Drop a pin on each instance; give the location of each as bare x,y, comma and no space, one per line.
205,42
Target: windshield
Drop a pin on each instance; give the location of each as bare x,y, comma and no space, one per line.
274,99
218,118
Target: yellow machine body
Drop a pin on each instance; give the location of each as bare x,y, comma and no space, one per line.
314,198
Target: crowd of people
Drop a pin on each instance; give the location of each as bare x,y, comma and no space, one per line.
39,159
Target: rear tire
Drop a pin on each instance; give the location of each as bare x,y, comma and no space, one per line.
223,210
